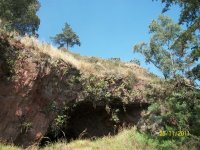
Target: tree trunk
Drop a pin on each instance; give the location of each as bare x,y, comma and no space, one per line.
67,46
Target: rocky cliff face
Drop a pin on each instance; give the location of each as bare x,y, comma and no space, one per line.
41,96
33,84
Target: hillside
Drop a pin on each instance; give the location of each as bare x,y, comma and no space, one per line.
48,92
55,99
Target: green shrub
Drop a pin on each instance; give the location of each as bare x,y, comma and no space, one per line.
175,107
8,56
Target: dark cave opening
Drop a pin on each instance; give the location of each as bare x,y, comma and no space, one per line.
89,122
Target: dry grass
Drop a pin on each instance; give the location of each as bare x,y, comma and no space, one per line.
88,65
125,140
9,147
54,53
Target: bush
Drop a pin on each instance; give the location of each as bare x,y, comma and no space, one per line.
175,107
135,61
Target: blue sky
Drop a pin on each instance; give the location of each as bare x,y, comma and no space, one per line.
107,28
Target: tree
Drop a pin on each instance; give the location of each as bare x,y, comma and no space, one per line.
190,10
67,37
190,14
163,51
20,15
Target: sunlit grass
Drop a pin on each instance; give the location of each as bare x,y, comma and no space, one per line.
88,65
127,139
9,147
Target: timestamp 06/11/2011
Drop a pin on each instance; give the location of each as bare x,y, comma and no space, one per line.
174,133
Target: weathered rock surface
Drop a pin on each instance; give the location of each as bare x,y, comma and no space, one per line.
33,87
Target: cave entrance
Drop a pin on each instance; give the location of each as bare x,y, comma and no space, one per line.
87,121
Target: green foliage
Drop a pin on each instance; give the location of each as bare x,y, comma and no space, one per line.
195,53
20,15
51,107
163,51
8,65
115,115
195,73
190,10
95,89
175,107
107,89
66,37
8,56
59,120
190,14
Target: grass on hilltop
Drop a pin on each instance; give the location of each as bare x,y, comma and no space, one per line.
89,65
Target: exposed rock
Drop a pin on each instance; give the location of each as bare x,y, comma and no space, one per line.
34,89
